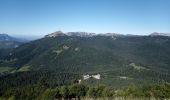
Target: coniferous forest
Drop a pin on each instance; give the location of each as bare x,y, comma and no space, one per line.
130,67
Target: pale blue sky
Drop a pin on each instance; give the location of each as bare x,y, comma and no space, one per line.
40,17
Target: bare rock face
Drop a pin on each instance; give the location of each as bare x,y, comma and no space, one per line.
81,34
159,34
55,34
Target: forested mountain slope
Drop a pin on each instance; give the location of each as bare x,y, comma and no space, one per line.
61,59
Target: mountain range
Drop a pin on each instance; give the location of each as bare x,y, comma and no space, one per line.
61,58
159,34
87,52
7,41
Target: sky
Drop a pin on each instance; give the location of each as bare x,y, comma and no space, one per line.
34,18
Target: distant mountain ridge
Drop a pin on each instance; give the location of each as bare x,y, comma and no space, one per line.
81,34
6,37
159,34
90,34
7,41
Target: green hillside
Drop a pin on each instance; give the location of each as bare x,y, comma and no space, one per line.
61,60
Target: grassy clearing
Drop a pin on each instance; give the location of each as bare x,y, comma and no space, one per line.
13,70
5,69
24,68
137,67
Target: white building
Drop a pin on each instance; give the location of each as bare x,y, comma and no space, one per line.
79,81
85,77
96,76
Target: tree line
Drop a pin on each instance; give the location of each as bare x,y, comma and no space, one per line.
80,91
